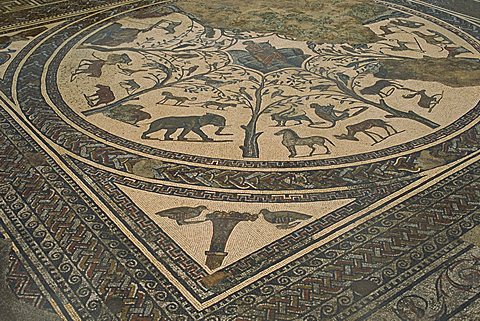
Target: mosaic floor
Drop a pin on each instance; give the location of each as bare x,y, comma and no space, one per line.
244,161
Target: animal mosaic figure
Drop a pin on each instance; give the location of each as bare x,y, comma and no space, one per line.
129,114
284,219
426,101
264,52
191,70
364,127
454,51
183,213
103,95
434,38
187,124
212,82
291,140
387,29
218,105
441,36
29,34
290,115
379,86
129,72
6,41
94,67
407,23
332,115
5,56
179,100
402,46
130,86
438,39
171,26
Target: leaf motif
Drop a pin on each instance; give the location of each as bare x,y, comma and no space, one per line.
277,93
186,56
344,78
245,93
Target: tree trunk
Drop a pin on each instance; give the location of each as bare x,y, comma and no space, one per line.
250,144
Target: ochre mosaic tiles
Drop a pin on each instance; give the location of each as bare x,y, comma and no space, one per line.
239,161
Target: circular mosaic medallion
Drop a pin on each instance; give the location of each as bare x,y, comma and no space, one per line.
165,83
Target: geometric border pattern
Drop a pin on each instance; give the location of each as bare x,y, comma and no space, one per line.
77,257
409,237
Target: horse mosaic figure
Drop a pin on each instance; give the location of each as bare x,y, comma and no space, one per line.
291,140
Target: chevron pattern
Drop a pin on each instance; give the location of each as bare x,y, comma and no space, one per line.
16,5
85,250
425,224
21,283
422,226
90,263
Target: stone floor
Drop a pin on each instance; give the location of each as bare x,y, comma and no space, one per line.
247,161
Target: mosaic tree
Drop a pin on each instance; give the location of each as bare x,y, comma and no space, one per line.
188,62
349,66
170,60
272,93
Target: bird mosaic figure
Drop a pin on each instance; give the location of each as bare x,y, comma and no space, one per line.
284,219
171,26
183,213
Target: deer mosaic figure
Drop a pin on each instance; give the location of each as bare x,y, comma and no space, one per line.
178,100
364,127
94,67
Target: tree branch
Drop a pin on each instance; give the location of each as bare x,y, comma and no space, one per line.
131,97
385,107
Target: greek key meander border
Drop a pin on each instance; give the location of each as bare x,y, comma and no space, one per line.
291,243
56,96
342,236
467,226
117,165
439,184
